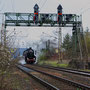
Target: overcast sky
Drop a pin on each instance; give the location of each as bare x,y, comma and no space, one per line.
46,6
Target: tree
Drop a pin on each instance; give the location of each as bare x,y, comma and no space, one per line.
6,62
67,45
87,38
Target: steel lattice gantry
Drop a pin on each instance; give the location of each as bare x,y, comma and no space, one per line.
58,19
44,20
48,20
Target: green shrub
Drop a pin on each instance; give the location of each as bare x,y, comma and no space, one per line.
42,57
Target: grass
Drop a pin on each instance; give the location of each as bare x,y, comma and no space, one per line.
54,63
88,70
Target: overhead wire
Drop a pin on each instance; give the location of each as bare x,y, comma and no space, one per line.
39,1
84,8
81,10
0,2
2,6
12,3
43,4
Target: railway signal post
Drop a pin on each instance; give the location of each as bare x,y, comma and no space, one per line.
59,9
36,12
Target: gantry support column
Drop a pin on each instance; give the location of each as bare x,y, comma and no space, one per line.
60,44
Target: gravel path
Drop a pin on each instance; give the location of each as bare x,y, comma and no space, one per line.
20,81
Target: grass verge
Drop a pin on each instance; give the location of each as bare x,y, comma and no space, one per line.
54,63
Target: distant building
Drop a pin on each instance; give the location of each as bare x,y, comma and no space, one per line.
18,52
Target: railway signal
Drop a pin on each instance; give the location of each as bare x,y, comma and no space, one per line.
59,14
36,11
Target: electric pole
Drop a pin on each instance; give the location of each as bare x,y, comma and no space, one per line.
2,30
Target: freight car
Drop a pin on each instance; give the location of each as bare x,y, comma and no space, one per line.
30,58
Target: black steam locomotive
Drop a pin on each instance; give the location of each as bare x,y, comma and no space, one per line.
30,58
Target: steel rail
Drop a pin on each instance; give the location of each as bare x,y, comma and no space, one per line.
70,82
83,73
44,83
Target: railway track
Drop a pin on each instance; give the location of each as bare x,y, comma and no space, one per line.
64,80
44,83
78,72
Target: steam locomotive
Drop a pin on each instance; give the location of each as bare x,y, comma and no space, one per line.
30,58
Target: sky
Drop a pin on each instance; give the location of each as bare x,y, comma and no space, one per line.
46,6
